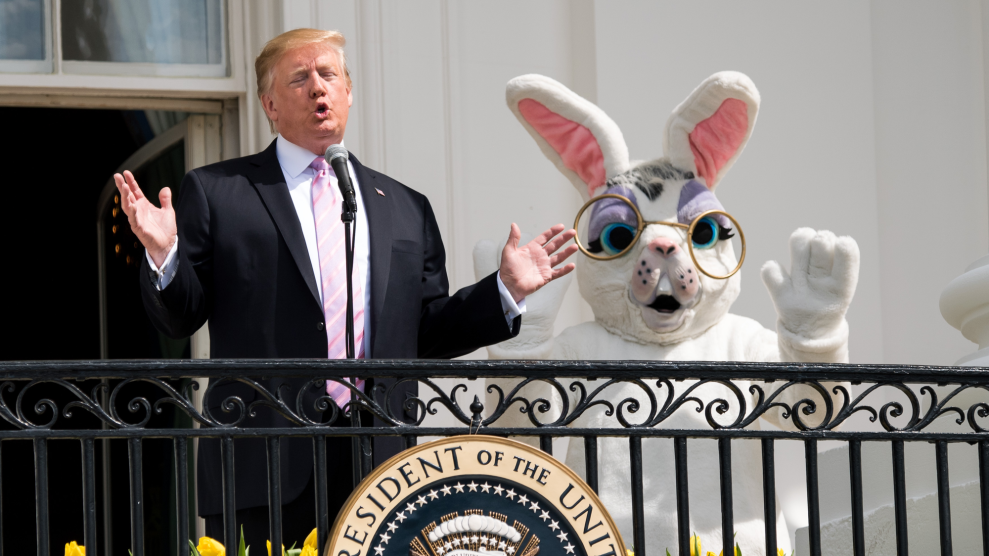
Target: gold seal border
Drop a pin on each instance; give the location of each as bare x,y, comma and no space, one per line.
370,482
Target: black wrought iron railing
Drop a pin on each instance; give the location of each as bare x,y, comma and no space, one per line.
96,403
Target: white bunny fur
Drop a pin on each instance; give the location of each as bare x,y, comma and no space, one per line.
811,301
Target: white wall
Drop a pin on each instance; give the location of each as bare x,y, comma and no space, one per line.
930,167
872,125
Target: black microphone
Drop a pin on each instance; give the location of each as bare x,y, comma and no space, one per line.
337,156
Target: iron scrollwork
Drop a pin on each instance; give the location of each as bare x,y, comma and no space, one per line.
631,402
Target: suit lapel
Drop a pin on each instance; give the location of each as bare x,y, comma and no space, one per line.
268,179
379,215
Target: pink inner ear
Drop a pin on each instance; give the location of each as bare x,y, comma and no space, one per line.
715,140
574,143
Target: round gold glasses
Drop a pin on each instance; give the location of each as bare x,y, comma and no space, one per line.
615,226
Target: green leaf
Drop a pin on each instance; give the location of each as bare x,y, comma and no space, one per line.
129,552
293,545
738,549
242,551
667,552
195,551
293,551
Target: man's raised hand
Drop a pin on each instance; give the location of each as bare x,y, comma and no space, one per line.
153,226
525,269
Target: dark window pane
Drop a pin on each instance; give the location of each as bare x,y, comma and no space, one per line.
22,30
147,31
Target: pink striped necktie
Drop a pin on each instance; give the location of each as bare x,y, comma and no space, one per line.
333,272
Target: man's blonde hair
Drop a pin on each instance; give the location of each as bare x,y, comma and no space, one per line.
264,65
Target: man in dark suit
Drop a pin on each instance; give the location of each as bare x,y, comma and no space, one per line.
247,249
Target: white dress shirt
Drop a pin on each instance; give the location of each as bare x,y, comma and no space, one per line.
295,162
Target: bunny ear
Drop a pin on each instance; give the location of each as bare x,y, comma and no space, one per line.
708,131
577,136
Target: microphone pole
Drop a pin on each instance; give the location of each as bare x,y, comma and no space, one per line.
338,156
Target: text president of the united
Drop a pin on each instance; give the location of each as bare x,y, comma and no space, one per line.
254,246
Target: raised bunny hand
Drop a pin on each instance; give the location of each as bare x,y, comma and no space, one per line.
811,300
535,337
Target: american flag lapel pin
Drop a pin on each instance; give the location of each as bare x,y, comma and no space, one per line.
380,192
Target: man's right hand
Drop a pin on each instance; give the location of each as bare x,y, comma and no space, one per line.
153,226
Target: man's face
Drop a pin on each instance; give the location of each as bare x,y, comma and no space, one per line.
309,98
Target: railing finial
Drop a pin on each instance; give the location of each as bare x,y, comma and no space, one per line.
476,408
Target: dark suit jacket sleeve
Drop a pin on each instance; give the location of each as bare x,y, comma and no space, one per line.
451,326
184,305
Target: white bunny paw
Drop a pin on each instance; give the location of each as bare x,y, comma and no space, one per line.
811,299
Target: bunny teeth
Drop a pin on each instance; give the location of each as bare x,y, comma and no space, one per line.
664,287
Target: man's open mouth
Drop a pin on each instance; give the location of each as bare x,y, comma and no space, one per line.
665,304
322,109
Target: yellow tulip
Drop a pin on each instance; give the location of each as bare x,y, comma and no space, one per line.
210,547
628,552
311,540
308,551
779,552
73,549
695,545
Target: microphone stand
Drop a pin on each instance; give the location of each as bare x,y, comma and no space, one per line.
348,216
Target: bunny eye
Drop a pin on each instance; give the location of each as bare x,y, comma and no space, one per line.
616,237
708,232
705,234
611,225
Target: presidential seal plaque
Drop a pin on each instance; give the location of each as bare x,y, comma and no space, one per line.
474,496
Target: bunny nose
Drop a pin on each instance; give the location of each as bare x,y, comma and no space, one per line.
666,247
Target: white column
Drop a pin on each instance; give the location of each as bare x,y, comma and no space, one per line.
965,305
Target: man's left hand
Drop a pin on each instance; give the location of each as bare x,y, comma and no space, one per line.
525,269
